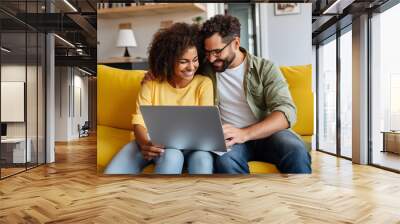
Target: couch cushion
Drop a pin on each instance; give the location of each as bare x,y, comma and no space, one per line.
299,79
117,90
257,167
304,102
109,142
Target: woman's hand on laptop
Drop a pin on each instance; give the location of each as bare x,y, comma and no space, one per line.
151,151
233,135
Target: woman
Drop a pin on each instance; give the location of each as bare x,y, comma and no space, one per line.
173,60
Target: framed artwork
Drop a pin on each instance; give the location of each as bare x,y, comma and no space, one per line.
287,8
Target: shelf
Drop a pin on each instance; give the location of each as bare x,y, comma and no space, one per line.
121,60
149,10
126,63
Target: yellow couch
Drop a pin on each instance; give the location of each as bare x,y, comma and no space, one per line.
117,90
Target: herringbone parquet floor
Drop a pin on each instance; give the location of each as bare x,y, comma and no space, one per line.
70,191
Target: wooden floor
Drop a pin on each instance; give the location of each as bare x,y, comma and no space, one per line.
8,171
70,191
5,172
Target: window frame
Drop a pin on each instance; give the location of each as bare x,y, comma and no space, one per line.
334,37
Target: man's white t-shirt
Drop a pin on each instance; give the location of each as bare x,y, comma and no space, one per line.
233,105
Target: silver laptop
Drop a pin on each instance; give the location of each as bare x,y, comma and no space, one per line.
185,127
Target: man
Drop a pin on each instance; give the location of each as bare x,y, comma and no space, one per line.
256,107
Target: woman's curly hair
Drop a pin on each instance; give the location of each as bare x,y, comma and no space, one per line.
168,45
226,25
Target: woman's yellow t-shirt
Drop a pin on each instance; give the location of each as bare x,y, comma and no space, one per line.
199,92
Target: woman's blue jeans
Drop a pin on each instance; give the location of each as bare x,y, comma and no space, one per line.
129,160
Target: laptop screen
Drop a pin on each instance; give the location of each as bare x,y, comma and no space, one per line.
3,129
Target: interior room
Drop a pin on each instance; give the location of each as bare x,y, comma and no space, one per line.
72,71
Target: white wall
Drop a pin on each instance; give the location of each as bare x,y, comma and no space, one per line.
143,27
33,126
16,73
286,39
68,80
82,82
61,103
12,73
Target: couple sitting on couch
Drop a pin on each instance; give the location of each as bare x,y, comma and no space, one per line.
255,104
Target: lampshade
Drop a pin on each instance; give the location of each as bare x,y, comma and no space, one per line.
126,38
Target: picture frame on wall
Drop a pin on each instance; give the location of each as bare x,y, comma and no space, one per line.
287,9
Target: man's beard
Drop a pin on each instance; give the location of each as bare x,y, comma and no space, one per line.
225,64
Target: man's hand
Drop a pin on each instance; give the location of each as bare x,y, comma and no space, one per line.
148,76
234,135
151,151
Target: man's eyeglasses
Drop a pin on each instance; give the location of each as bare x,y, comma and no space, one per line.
217,52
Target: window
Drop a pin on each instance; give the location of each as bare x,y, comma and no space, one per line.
327,97
385,84
394,119
346,94
22,73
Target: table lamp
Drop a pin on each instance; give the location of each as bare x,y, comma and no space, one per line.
126,38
